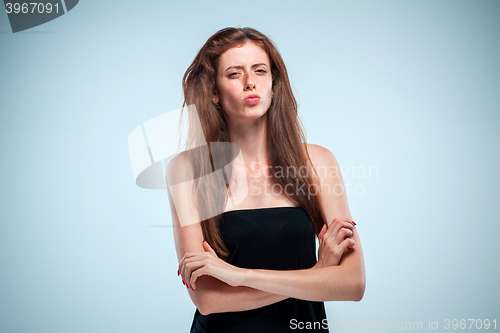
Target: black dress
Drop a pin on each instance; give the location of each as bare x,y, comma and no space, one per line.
278,238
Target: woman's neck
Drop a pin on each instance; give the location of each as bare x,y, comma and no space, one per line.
251,137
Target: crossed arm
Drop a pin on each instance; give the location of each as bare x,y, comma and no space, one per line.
216,286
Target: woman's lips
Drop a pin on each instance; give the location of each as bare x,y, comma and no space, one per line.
252,99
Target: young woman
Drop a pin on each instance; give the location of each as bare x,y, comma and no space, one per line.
249,264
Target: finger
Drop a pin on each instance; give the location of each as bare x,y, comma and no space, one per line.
192,267
352,243
342,234
347,225
336,228
187,259
336,225
181,263
208,248
322,233
345,244
329,229
180,268
195,275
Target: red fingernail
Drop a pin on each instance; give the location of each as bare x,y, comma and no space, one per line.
183,282
205,241
178,272
187,286
353,222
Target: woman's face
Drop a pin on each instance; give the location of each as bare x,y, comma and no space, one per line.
244,72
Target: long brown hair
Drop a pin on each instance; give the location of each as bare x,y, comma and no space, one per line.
286,142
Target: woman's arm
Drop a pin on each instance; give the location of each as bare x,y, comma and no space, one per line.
343,282
212,295
333,283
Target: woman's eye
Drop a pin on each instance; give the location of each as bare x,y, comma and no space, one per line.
261,71
233,74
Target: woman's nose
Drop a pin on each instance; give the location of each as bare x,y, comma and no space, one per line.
249,83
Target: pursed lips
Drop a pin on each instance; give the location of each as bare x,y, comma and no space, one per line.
252,98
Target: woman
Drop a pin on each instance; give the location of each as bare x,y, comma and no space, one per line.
250,264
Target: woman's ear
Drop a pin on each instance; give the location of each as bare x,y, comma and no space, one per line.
215,98
216,102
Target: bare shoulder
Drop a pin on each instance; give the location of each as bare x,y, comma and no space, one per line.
321,156
179,169
332,189
188,235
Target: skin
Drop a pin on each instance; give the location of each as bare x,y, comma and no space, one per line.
246,67
216,286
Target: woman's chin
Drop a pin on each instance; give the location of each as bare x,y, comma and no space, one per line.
248,115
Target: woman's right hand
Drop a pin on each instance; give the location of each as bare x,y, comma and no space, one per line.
333,242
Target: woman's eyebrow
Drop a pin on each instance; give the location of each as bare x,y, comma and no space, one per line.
241,67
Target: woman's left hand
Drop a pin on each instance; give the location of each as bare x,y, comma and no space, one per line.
195,264
334,240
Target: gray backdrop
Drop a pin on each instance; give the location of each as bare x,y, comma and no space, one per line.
408,88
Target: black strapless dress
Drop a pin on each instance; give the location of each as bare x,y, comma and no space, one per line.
278,238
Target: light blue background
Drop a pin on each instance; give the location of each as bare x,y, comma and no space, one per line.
409,87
